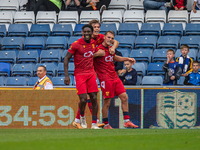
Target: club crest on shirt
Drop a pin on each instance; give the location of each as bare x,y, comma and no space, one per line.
107,93
93,45
83,46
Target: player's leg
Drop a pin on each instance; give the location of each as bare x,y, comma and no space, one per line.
106,104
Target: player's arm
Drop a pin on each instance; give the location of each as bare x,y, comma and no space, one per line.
120,59
99,53
115,45
66,63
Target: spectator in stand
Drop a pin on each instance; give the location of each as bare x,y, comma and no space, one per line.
72,4
118,65
179,4
157,5
128,75
194,77
196,5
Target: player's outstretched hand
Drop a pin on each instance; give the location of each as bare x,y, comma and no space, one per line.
111,51
67,80
133,60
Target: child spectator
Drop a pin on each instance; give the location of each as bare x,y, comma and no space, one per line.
196,5
128,76
179,4
171,69
194,77
184,61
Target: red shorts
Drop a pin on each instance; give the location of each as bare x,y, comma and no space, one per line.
86,83
112,88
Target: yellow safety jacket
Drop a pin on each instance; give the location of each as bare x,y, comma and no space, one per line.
40,85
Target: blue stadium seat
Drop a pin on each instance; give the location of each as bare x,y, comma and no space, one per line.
50,67
159,55
3,31
5,69
2,81
55,42
18,30
40,30
143,55
62,30
34,43
192,29
32,81
125,41
155,69
70,69
145,42
181,81
50,56
191,41
108,26
78,29
140,68
16,81
152,81
73,39
59,81
128,29
12,43
150,29
1,41
64,54
139,80
192,53
22,70
28,56
8,56
168,42
198,56
173,29
125,52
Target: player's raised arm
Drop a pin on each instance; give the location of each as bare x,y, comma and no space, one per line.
66,63
120,59
115,45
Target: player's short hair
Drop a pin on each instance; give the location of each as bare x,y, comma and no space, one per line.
87,26
109,31
185,46
94,21
171,50
43,66
195,62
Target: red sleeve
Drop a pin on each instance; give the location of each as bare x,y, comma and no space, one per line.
73,48
102,37
97,49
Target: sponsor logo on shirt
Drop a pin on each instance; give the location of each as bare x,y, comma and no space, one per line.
109,58
88,54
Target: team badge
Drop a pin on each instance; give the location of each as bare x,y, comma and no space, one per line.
107,93
83,46
93,45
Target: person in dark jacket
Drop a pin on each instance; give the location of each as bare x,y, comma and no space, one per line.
179,4
118,65
194,77
172,69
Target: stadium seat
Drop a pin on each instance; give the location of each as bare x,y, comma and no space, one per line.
125,41
32,81
50,56
6,18
155,69
168,42
118,4
40,30
3,31
62,30
78,29
59,81
159,55
73,39
28,56
192,29
128,29
56,42
64,54
22,70
12,43
18,30
134,16
152,81
178,17
140,68
11,5
172,29
136,4
5,69
189,5
8,56
192,53
87,16
150,29
143,55
145,42
2,81
71,68
125,52
191,41
34,43
21,5
139,80
194,17
50,67
181,81
16,81
156,16
108,26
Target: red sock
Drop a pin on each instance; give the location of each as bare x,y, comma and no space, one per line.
126,115
105,121
78,115
89,105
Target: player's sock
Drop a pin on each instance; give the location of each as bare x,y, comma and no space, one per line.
82,113
78,115
105,121
94,119
89,105
126,116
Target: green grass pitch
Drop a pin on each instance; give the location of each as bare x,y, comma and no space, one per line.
116,139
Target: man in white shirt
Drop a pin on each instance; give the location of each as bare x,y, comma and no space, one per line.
196,5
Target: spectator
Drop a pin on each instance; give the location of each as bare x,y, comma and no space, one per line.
157,5
194,77
72,4
179,4
128,75
196,5
184,61
171,69
118,65
43,82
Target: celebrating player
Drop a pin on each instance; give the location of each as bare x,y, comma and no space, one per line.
84,73
110,83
